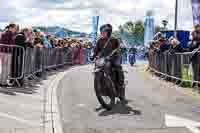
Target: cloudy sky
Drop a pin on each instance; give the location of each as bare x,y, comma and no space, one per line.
77,14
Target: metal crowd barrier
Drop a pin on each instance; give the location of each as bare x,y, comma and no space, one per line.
32,62
67,56
11,63
40,59
18,63
184,68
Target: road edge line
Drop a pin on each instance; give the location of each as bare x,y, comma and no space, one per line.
52,108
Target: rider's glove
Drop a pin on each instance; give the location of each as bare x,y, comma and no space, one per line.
91,58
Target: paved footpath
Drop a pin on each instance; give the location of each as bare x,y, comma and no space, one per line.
154,107
28,109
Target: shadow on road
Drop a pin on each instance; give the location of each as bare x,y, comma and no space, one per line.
30,88
31,85
120,108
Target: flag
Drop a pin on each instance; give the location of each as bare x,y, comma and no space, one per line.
95,23
149,30
196,11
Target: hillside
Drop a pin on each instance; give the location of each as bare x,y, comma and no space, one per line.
60,31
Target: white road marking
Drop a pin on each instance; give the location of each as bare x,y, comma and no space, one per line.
52,100
21,120
174,121
81,105
193,129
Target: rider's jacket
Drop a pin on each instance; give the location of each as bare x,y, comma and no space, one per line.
99,50
132,51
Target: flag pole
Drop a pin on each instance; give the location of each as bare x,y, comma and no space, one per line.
176,18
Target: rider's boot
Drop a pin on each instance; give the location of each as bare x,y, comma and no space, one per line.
122,96
121,84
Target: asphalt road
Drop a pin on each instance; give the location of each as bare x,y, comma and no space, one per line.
150,106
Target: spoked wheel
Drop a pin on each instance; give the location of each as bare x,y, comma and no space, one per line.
105,91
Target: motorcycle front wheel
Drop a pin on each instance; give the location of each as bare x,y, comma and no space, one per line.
105,90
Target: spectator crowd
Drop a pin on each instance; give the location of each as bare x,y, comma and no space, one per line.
162,46
172,45
28,37
13,39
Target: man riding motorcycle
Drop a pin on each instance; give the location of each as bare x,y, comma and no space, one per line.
104,47
132,54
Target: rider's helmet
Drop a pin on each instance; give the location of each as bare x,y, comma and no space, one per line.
106,28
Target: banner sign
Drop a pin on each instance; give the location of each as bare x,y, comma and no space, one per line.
149,26
196,11
95,23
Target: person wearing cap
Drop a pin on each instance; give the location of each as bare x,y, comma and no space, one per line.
104,47
37,32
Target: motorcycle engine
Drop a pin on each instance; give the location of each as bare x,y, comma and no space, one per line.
100,62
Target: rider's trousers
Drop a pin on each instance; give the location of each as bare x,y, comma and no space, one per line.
119,73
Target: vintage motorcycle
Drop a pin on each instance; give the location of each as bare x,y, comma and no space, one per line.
106,88
132,59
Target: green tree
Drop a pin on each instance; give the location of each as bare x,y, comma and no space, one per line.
129,27
157,29
139,31
121,30
138,28
116,34
133,32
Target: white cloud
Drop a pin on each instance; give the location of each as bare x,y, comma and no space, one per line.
77,14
